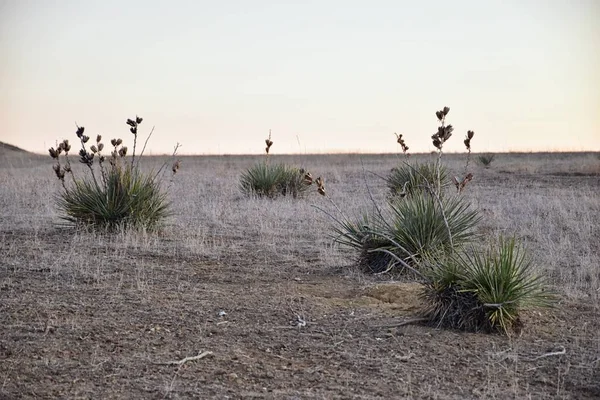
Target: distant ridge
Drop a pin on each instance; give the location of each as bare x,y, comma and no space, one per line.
10,147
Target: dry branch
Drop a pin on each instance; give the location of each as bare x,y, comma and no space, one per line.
186,359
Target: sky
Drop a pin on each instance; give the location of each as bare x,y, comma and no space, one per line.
323,76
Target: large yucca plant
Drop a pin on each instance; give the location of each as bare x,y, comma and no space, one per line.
407,179
114,192
423,225
413,229
126,197
485,291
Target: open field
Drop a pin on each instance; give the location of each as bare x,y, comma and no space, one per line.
85,315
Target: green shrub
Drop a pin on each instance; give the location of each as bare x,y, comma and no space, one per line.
414,229
477,291
422,226
359,235
486,159
407,179
114,193
126,197
272,180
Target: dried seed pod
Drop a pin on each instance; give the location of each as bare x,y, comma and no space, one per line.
133,130
113,142
131,122
470,134
53,153
138,120
79,132
98,138
101,159
446,110
123,151
56,167
100,146
448,132
66,146
119,141
308,179
94,149
437,143
175,167
85,157
320,186
67,168
85,139
439,115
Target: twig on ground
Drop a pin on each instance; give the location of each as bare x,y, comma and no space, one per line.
552,353
186,359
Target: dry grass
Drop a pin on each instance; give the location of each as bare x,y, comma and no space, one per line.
90,315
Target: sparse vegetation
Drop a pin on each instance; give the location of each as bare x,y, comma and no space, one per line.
114,193
91,308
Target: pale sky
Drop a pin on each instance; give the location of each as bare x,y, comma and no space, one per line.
323,75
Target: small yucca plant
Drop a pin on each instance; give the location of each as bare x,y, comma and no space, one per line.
271,180
485,291
115,193
407,179
486,159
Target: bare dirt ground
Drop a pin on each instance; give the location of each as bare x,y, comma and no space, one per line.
86,315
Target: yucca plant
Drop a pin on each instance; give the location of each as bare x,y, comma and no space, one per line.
421,219
114,193
359,235
485,291
127,197
271,180
422,226
486,159
413,229
407,179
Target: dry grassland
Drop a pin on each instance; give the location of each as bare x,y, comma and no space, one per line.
86,315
